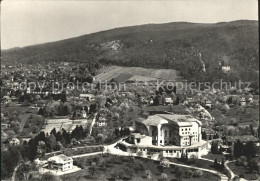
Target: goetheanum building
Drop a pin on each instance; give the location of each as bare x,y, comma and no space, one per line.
170,134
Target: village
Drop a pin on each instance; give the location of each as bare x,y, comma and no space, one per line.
50,127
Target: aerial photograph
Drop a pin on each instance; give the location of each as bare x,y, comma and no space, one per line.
127,90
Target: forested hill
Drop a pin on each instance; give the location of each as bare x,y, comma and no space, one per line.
194,49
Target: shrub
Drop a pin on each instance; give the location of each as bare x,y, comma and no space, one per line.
197,173
164,176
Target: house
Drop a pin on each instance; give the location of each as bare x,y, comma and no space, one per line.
168,100
225,68
101,122
208,104
84,113
242,101
86,96
14,142
6,99
60,162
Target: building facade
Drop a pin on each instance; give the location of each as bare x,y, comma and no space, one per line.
60,162
169,134
170,129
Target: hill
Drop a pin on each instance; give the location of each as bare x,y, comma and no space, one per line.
192,48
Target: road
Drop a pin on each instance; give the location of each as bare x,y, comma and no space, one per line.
226,166
93,123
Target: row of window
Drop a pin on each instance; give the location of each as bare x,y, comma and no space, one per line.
186,129
165,133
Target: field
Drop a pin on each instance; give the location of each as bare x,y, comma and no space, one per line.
66,124
13,107
137,73
242,172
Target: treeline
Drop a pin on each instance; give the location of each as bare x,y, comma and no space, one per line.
55,141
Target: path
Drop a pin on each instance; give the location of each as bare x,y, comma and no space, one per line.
116,151
93,123
226,166
112,150
229,170
222,176
15,170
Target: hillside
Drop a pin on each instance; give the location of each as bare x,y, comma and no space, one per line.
193,49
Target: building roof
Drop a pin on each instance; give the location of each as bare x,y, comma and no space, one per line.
138,135
180,120
177,109
60,158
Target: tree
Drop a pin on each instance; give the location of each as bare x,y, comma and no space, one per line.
215,163
139,153
197,173
165,163
148,173
50,143
204,135
238,148
48,177
179,174
214,147
9,159
164,176
92,169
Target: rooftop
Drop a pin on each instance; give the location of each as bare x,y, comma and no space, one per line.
60,158
180,120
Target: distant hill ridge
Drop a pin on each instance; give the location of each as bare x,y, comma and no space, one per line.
183,46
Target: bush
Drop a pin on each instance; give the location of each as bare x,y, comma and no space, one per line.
164,176
197,173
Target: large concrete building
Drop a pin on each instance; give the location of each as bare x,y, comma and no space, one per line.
170,129
170,134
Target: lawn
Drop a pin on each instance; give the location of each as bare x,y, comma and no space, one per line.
200,163
212,157
241,171
116,165
12,107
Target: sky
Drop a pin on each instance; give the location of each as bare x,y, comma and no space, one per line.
32,22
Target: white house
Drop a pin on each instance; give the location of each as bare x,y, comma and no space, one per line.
14,142
60,162
226,68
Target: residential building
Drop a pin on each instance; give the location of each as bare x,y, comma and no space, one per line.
60,162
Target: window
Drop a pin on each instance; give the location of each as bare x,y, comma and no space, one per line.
138,140
182,129
185,129
166,151
170,133
165,133
160,141
152,132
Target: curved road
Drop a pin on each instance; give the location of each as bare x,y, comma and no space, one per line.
115,151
